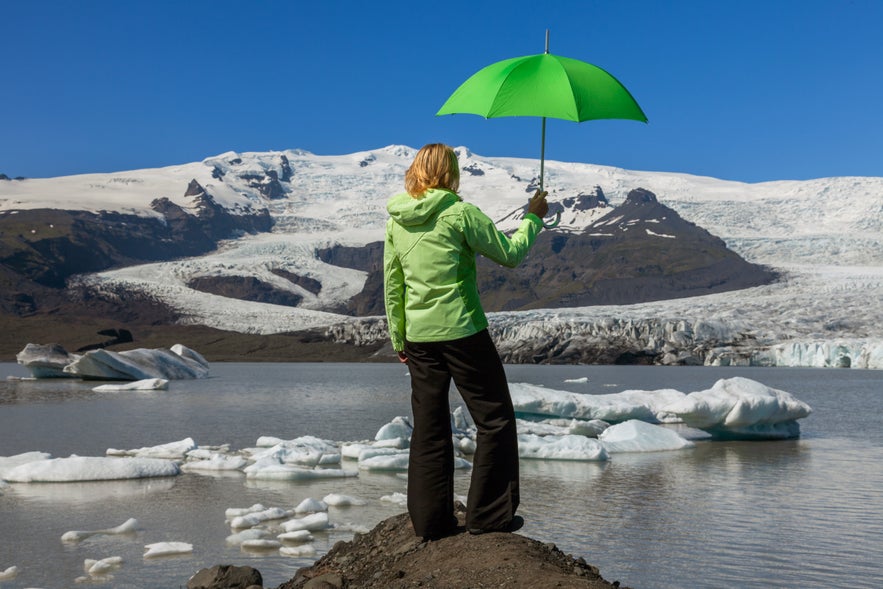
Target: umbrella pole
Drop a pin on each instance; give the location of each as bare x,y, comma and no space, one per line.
543,153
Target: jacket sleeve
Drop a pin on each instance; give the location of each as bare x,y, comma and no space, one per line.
484,237
394,293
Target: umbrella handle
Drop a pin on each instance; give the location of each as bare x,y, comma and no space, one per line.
554,223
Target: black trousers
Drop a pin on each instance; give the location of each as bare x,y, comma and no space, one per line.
474,365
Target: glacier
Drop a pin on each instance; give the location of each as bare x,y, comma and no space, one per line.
824,237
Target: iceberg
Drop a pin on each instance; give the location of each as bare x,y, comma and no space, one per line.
171,451
178,362
613,408
303,451
741,408
638,436
46,360
90,468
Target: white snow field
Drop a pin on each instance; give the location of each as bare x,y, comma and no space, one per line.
825,236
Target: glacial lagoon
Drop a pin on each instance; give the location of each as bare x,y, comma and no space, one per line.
804,512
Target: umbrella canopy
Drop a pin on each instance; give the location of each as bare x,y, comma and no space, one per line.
544,85
547,86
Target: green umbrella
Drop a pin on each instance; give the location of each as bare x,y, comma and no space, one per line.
544,85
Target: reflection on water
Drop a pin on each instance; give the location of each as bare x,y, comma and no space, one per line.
801,513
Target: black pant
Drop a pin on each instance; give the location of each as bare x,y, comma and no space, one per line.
475,366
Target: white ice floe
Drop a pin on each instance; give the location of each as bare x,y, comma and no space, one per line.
296,536
740,407
147,384
303,451
250,520
178,362
396,498
399,428
232,512
566,447
261,544
310,505
90,468
101,567
270,468
298,551
248,534
338,500
9,573
129,526
392,461
215,463
310,523
583,379
638,436
562,426
170,451
7,463
158,549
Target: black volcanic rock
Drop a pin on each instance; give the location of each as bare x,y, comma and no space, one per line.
246,288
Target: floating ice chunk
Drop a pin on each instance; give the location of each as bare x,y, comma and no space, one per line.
249,534
566,447
171,451
353,449
261,544
9,574
139,364
304,451
147,384
466,445
310,505
638,436
734,404
337,500
250,520
101,567
399,427
46,360
167,549
759,431
90,468
270,469
583,379
459,422
372,451
218,462
129,526
311,523
7,463
613,408
296,536
232,512
395,461
397,498
298,551
560,427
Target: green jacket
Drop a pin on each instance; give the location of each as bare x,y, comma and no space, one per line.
429,283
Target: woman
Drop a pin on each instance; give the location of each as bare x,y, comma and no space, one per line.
437,326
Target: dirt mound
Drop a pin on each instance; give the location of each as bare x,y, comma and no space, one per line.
391,557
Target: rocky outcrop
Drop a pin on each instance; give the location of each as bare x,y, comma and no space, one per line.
391,557
226,577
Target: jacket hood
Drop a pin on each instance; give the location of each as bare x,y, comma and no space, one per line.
409,211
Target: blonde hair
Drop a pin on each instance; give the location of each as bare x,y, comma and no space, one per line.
434,166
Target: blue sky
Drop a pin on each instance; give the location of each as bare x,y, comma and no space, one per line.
747,90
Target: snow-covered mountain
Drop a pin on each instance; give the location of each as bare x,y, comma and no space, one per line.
825,236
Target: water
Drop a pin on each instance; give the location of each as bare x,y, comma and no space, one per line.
804,513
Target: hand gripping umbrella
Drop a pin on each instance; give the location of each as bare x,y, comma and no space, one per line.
544,85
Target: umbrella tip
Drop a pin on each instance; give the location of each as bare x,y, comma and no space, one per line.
547,40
